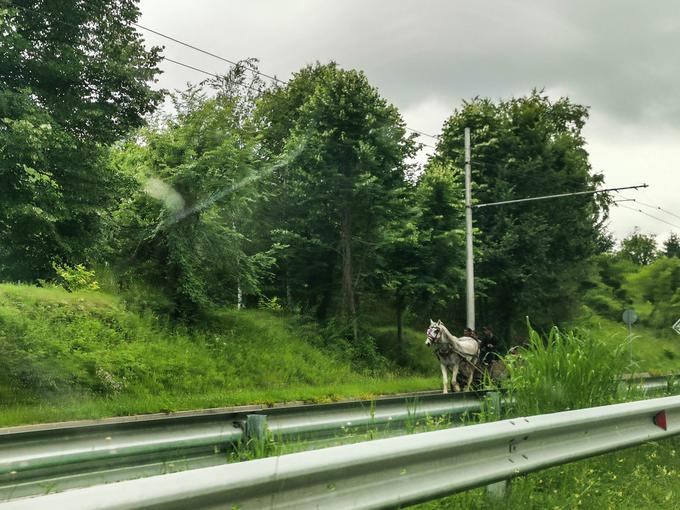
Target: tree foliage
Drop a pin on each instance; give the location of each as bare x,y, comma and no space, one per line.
184,226
535,252
345,148
639,248
74,77
671,247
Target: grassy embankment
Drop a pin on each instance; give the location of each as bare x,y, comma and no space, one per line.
653,291
84,355
92,354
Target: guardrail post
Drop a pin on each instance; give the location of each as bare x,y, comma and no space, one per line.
493,405
256,433
495,491
256,427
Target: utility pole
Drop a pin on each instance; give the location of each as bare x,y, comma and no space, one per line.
469,269
470,266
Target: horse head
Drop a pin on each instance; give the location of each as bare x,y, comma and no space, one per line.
434,332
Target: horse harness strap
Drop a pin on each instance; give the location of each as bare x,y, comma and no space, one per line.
452,350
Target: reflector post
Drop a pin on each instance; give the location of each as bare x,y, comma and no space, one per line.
660,420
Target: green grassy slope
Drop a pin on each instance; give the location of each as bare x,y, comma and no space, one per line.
654,350
83,355
653,291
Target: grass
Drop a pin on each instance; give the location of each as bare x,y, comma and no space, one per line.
562,371
654,351
84,355
92,407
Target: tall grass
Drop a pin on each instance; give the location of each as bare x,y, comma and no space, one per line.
562,371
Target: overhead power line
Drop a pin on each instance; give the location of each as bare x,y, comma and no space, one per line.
206,52
214,55
650,215
250,68
659,208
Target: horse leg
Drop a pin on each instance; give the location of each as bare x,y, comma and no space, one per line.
444,377
454,377
472,373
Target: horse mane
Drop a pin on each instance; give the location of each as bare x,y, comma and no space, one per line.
460,343
447,334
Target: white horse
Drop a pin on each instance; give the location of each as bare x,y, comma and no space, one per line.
452,352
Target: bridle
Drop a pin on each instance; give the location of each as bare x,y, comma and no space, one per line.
433,334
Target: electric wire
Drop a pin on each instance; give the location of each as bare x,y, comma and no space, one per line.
659,208
650,215
250,68
206,52
219,57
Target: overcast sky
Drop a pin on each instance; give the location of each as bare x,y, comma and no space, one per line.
619,57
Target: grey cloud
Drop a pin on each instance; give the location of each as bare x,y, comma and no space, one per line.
618,55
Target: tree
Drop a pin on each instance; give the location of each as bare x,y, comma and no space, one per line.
74,77
346,149
534,253
671,247
442,229
185,226
639,248
423,249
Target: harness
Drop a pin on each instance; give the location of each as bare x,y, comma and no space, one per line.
445,348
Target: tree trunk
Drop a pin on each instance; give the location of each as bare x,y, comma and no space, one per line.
347,272
400,327
289,293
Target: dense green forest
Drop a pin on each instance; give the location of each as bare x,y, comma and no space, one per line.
297,199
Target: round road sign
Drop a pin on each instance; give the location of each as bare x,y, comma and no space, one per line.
629,316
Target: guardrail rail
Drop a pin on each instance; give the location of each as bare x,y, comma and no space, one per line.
391,472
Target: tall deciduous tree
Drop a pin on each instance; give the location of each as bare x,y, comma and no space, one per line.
423,247
74,77
534,253
346,148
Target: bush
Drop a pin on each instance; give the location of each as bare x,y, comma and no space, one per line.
76,277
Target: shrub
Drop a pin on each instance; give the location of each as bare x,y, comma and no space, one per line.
76,277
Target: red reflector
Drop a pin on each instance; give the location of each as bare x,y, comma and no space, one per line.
660,420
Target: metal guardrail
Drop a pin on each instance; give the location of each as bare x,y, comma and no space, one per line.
55,457
389,472
39,458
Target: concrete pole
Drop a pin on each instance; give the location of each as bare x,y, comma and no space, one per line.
470,271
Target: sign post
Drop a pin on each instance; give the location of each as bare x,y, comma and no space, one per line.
629,317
